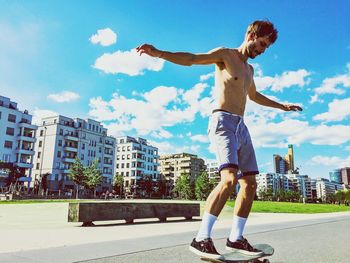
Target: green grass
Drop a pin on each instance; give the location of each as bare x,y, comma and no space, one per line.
285,207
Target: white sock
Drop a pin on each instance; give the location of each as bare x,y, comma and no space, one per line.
208,221
238,224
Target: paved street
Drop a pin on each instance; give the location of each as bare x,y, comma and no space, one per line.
40,233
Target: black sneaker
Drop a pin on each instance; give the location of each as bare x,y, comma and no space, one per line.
243,247
205,248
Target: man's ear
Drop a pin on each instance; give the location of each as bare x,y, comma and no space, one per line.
251,36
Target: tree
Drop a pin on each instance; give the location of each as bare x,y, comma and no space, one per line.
118,183
203,186
93,177
77,175
183,187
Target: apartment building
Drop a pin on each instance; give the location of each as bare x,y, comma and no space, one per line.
17,139
61,139
286,182
173,165
136,159
284,165
213,170
324,188
335,176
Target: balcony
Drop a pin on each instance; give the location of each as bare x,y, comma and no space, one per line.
27,125
25,151
71,137
68,159
24,165
70,149
26,138
66,171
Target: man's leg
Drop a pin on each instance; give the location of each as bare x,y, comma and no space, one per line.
243,206
242,209
216,201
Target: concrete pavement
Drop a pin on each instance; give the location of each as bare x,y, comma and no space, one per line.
41,233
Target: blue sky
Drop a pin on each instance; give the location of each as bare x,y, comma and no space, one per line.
77,58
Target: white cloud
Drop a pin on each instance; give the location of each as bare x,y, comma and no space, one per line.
315,98
38,114
64,96
105,37
200,138
333,85
128,62
166,147
206,76
334,161
338,110
155,110
280,82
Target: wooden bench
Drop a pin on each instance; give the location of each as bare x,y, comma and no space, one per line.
129,211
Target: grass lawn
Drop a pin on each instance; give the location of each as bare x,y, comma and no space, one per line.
285,207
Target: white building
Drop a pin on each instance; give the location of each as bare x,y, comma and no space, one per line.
213,170
286,182
61,139
17,138
324,188
136,159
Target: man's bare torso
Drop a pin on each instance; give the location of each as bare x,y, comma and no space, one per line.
233,79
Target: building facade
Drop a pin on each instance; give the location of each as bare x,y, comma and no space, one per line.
345,175
61,140
17,139
324,188
335,176
213,170
173,165
136,159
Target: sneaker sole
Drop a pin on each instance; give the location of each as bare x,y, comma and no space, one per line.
245,252
202,254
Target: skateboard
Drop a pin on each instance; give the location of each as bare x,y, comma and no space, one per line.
237,257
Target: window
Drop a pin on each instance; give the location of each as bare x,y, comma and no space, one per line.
40,143
37,166
8,144
58,154
61,132
0,115
59,142
10,131
83,146
39,154
122,165
41,132
117,166
82,157
11,118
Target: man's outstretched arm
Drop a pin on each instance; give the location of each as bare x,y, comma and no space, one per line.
263,100
184,58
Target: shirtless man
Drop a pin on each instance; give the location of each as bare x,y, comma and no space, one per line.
227,131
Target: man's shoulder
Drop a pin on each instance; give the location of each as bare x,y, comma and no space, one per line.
220,49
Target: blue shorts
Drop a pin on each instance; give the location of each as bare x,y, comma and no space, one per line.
231,139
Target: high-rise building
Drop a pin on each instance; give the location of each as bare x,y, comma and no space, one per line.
285,165
61,140
345,175
136,159
280,164
290,158
335,176
173,165
17,139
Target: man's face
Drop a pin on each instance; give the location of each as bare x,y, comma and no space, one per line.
257,46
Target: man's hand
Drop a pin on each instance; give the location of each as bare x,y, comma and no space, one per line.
149,50
291,107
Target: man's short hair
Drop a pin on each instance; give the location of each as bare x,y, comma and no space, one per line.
263,28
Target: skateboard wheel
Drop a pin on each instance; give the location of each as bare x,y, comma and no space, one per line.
266,261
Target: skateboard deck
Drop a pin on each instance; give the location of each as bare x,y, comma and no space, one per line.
235,257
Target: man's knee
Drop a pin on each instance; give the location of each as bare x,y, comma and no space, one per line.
248,184
228,177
